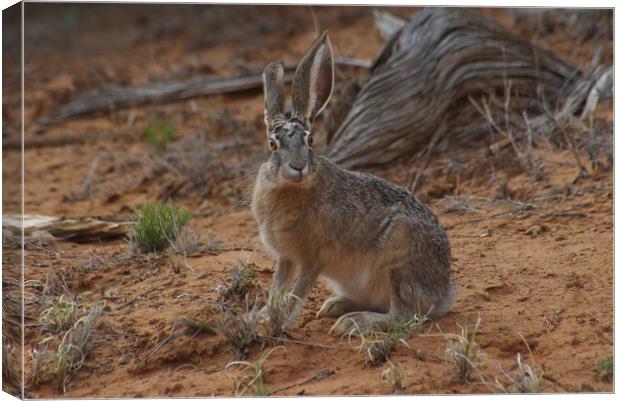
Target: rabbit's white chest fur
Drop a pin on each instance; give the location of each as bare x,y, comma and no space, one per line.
350,274
358,278
291,226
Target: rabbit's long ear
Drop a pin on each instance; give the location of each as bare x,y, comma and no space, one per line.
273,87
314,80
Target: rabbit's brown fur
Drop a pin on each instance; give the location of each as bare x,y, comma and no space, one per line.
384,252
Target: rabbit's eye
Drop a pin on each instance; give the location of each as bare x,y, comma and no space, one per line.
273,145
309,139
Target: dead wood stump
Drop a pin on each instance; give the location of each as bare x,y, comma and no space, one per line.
427,83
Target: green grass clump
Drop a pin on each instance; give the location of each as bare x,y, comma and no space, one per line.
159,225
60,316
159,134
605,368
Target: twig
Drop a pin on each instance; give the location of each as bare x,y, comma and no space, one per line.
429,151
141,296
387,24
460,223
86,190
315,22
109,98
316,376
562,213
293,341
204,370
163,342
602,337
571,144
69,138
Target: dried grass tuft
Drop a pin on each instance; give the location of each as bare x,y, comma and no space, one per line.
251,375
60,315
74,348
463,351
378,345
11,370
240,330
242,280
523,379
393,376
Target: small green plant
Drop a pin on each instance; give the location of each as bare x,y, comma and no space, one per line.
158,135
159,226
463,351
378,345
393,376
60,315
251,375
605,368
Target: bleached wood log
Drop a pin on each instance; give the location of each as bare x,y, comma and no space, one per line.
427,78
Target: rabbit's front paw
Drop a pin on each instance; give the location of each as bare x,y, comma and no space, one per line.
336,307
359,321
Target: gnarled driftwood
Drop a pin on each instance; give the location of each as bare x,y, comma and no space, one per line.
427,81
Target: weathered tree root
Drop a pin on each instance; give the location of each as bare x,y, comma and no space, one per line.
430,75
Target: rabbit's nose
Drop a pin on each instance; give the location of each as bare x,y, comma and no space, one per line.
296,167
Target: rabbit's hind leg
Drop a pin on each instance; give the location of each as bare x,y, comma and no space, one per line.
337,306
367,320
360,321
418,294
406,299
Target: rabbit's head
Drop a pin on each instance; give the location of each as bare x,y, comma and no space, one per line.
290,137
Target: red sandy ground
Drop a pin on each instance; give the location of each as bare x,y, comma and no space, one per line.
554,288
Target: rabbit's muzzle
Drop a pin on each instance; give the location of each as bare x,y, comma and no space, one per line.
294,171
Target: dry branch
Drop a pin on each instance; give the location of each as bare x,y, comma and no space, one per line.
67,138
314,377
115,97
388,24
112,97
423,81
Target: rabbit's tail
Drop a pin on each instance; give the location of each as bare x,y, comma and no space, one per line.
444,305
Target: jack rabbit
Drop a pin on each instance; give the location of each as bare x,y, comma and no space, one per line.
384,252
